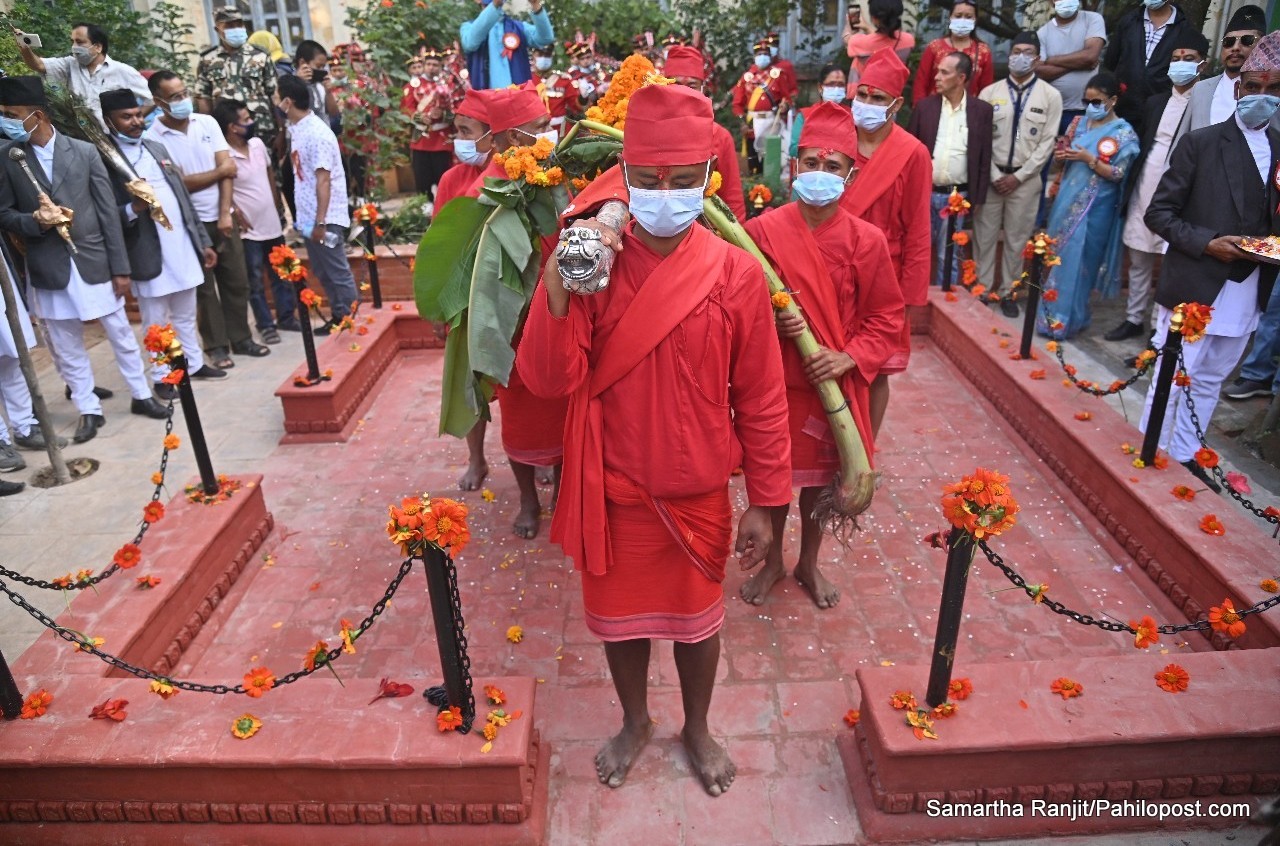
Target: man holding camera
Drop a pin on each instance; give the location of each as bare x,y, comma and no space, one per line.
88,71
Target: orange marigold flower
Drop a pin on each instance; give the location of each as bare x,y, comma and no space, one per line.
515,634
1145,632
945,710
1084,415
960,239
1050,295
1270,585
494,695
1183,492
163,688
127,556
157,478
1051,346
36,704
152,512
959,689
450,719
1038,374
1173,678
1225,618
1211,525
780,300
760,192
317,656
1067,688
112,709
851,717
713,183
902,700
258,681
172,441
490,732
247,725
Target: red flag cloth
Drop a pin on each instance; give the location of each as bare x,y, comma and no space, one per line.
511,107
885,71
828,126
842,278
684,62
668,370
667,125
473,106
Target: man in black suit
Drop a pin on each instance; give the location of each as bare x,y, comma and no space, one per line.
67,290
956,129
1220,187
1139,53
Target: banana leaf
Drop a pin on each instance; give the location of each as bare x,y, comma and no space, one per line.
445,258
500,289
464,399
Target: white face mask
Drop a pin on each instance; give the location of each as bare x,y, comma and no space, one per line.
465,150
833,93
551,135
818,188
666,213
868,116
962,26
1066,8
1020,64
542,63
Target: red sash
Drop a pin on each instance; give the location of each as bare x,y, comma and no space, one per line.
672,291
889,159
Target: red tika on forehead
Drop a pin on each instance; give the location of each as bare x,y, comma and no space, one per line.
663,171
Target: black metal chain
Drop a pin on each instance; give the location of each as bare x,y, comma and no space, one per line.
81,584
1108,625
1218,474
438,696
1115,387
83,643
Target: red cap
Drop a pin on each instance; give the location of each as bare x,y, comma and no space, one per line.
684,61
511,107
668,125
829,126
885,71
474,107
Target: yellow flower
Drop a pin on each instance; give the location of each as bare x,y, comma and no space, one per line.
163,688
713,184
157,478
487,495
515,634
781,300
245,726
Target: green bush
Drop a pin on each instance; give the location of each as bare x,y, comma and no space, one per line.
409,222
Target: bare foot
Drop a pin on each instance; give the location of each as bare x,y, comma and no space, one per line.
614,760
545,475
756,588
528,520
710,762
824,594
474,477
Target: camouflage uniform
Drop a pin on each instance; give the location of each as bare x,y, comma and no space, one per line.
247,74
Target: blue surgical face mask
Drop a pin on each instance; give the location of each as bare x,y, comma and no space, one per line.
465,150
773,50
1097,112
817,187
869,116
1066,8
1181,73
962,26
833,93
1255,110
1154,4
180,110
15,129
666,213
236,36
762,61
542,63
127,140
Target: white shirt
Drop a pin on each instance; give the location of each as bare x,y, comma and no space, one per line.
1154,33
1223,104
1136,234
108,76
1235,309
180,265
315,147
193,152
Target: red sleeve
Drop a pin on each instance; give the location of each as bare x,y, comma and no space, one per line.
915,224
790,87
874,329
923,85
986,73
740,98
757,392
407,104
552,354
731,176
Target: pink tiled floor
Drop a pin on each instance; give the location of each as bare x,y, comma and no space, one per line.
786,675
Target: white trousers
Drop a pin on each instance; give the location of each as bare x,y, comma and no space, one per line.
1142,291
17,399
178,309
72,359
1016,215
1209,361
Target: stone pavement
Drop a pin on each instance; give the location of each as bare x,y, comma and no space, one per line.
786,675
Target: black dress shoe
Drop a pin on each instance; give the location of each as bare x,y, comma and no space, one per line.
1008,308
251,348
1203,475
165,391
88,428
1124,332
99,392
149,407
10,488
34,440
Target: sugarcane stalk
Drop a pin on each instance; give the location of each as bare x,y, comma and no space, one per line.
850,492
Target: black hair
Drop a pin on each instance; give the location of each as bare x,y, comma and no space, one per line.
307,51
973,3
227,112
964,64
1106,82
95,33
828,69
888,14
159,78
296,90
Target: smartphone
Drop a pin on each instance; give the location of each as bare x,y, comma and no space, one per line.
30,40
855,16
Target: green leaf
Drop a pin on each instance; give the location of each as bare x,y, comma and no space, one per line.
505,192
498,297
442,269
511,231
543,214
464,399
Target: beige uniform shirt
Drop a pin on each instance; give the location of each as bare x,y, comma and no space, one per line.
1033,135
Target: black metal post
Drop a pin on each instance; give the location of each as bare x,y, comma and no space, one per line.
371,259
1034,279
208,479
949,257
1169,356
308,340
442,614
960,549
10,696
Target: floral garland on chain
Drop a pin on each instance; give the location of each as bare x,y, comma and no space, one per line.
285,262
957,206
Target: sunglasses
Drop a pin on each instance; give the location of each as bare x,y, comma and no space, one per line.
1229,41
1097,101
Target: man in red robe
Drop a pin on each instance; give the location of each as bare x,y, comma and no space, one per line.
892,188
686,66
532,427
669,369
836,266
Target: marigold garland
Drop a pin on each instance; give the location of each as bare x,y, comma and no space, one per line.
418,521
526,163
285,262
1195,319
635,72
980,504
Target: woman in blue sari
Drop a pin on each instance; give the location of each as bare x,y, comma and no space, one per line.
1086,218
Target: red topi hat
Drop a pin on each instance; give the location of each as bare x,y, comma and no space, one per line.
668,125
829,126
885,71
684,61
474,107
511,107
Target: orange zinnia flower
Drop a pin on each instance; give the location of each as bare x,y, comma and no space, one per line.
1225,618
1173,679
1084,415
36,704
112,709
1067,688
1210,525
158,338
494,695
309,298
903,700
1206,458
152,512
960,239
945,710
147,582
1145,632
1038,374
1161,461
959,689
851,717
258,681
127,556
446,526
1050,295
1183,492
449,719
317,655
1195,319
1270,585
